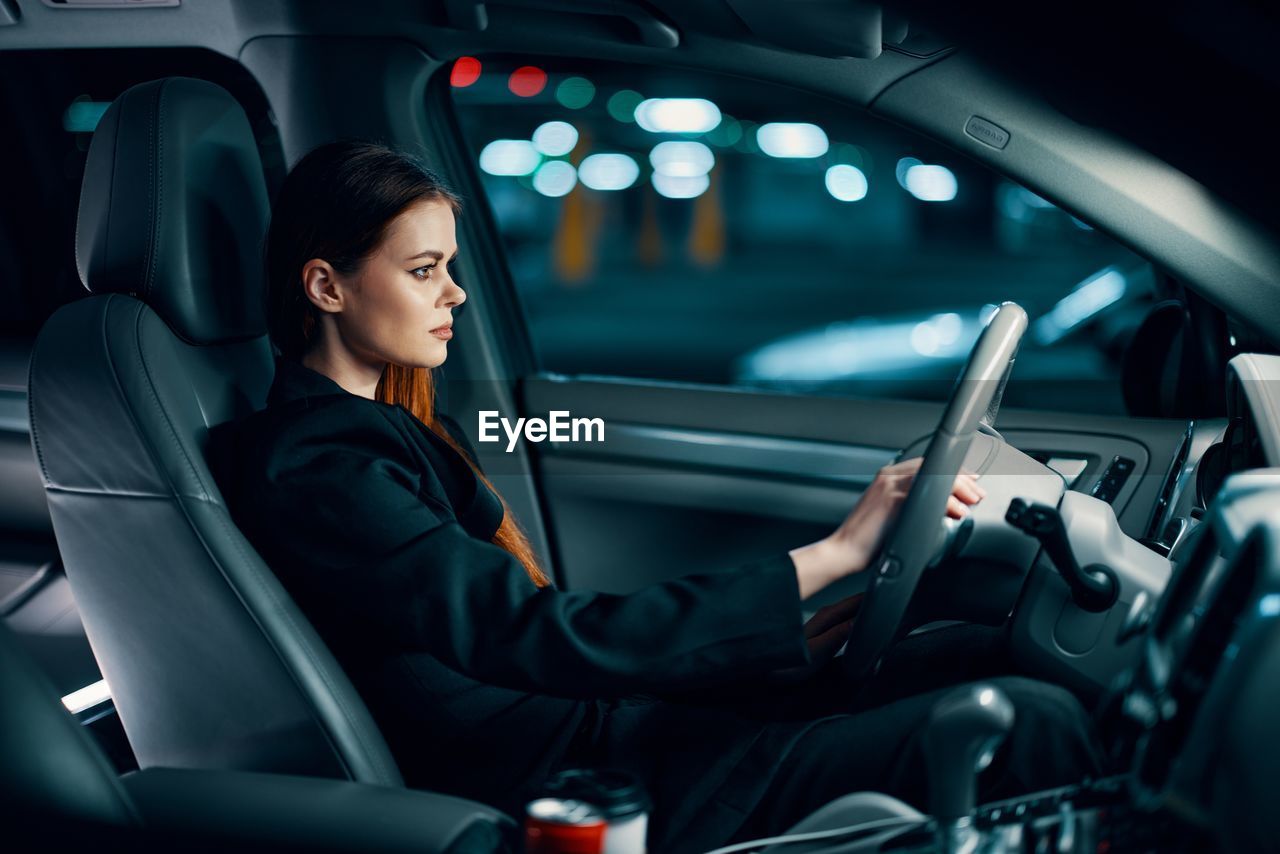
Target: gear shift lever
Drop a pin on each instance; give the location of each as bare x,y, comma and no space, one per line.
965,728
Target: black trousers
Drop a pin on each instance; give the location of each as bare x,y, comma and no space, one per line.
875,741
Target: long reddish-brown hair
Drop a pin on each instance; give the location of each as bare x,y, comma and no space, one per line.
337,203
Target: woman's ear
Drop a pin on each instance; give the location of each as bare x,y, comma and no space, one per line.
321,286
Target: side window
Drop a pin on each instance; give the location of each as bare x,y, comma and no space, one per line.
682,226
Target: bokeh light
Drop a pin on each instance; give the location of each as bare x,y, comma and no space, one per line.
792,139
931,183
677,115
900,171
681,159
680,187
575,93
527,81
608,171
555,139
509,157
846,183
727,133
555,178
466,70
622,105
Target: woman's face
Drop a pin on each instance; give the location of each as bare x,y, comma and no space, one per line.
389,310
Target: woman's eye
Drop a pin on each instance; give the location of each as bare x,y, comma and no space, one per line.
418,272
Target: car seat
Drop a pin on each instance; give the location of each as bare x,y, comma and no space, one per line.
209,662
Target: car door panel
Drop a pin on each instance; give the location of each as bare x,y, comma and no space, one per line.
699,478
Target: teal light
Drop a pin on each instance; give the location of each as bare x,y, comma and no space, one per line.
83,116
844,152
575,92
727,133
622,105
747,141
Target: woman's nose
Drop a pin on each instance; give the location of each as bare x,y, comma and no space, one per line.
455,295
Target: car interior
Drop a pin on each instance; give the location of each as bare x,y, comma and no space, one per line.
1116,385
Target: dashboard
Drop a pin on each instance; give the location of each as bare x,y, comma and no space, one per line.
1213,449
1196,715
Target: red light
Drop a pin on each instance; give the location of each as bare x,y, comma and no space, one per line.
527,81
466,70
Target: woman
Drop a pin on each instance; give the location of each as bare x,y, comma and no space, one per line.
485,678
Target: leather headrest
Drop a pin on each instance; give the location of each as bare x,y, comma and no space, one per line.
174,209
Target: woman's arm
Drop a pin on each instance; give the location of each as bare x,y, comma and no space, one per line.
818,564
348,518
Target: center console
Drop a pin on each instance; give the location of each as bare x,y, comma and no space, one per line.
1194,722
1094,818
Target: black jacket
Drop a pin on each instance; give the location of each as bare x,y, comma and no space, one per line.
480,680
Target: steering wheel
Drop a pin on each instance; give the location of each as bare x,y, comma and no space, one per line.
916,536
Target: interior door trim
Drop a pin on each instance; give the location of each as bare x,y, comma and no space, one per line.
740,452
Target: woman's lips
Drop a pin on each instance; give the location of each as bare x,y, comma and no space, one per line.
444,332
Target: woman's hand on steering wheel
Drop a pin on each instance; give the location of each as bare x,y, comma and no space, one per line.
857,541
852,546
862,532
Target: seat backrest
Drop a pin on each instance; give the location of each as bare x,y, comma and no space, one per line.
209,662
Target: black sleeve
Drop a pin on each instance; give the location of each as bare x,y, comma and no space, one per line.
455,430
395,560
